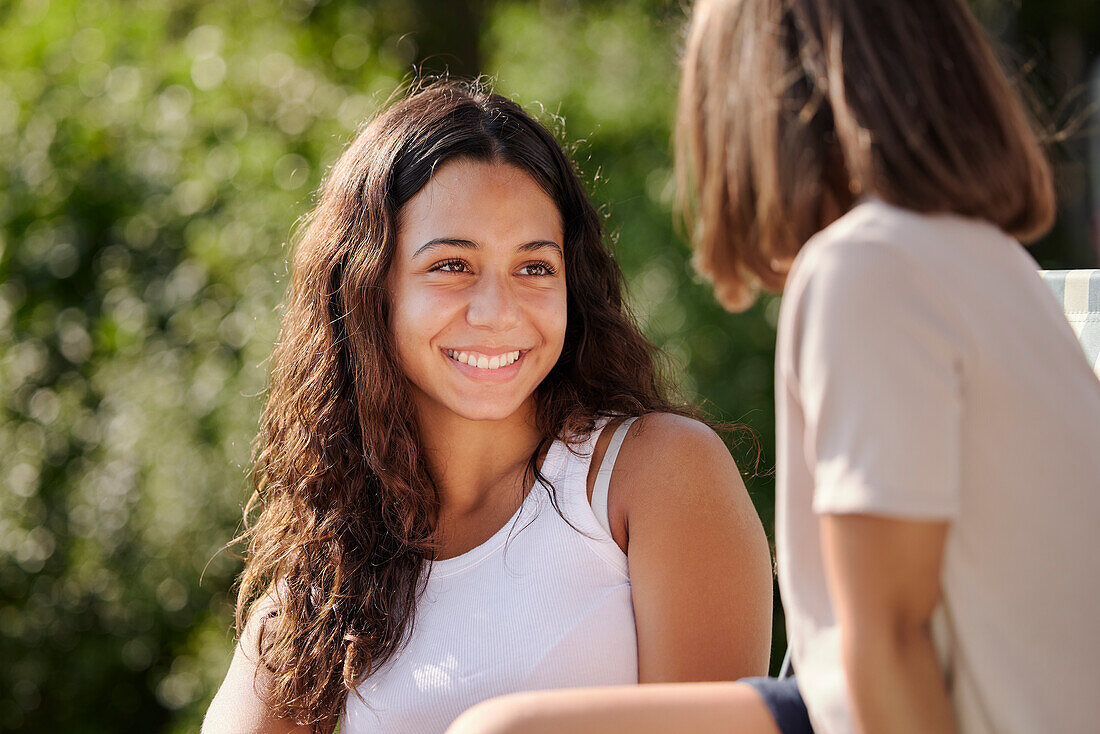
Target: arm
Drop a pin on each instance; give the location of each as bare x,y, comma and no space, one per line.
872,355
700,567
884,579
239,706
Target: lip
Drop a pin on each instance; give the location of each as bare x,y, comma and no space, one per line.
501,374
488,351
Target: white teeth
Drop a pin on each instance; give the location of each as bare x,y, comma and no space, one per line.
483,362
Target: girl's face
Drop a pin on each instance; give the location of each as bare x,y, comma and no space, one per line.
477,289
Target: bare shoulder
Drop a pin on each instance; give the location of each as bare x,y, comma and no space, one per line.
674,462
240,704
700,567
669,433
664,450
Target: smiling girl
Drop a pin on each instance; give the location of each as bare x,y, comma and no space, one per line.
469,479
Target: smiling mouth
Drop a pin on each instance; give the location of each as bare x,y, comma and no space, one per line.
483,361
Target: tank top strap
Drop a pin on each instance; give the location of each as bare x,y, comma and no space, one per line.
602,486
571,492
579,454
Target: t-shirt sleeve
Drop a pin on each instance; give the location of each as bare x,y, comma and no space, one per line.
876,354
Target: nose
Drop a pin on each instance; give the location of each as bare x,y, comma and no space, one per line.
493,304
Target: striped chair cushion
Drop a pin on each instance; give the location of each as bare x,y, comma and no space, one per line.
1079,293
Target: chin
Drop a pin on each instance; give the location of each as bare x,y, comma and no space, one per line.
483,412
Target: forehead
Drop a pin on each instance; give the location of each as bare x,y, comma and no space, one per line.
489,203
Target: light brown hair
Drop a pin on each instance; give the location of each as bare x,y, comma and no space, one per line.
790,110
346,505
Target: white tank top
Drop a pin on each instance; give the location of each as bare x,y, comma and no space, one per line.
538,605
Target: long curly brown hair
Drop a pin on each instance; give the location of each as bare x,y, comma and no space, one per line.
343,540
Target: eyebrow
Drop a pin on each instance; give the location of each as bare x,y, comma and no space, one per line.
471,245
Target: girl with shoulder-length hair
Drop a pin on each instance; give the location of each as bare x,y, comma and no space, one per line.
937,421
442,516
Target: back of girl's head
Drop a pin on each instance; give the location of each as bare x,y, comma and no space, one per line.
791,110
347,506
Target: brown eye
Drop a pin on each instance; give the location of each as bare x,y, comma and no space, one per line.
449,266
538,269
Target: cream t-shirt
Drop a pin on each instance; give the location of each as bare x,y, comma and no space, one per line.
924,371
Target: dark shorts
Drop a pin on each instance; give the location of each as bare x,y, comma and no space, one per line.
785,702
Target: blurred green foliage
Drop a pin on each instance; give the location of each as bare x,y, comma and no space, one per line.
154,159
156,156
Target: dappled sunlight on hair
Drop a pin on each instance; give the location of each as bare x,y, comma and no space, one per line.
779,133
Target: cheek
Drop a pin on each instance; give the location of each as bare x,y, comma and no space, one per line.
553,317
414,318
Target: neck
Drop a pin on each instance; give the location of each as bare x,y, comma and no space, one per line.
473,461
